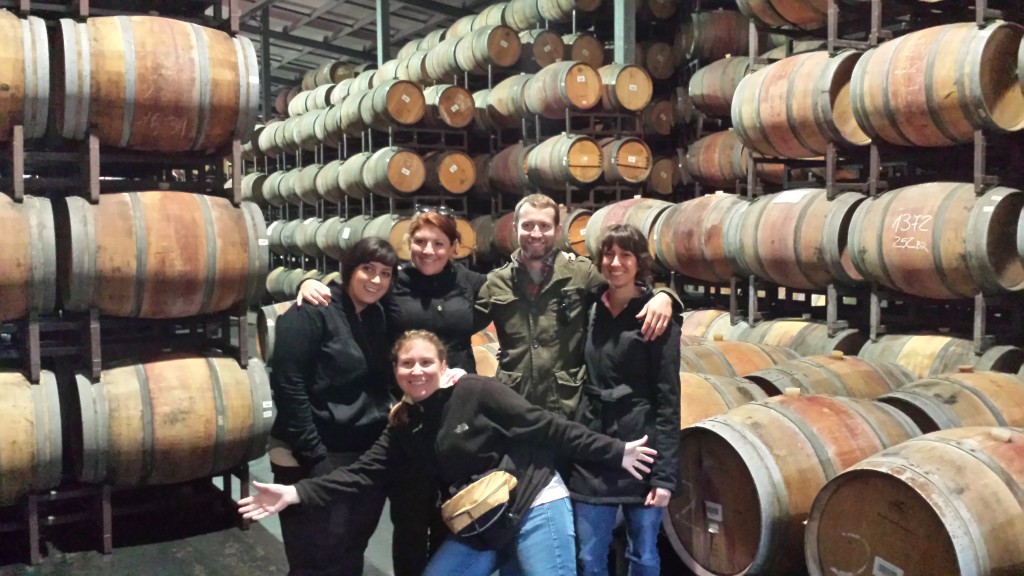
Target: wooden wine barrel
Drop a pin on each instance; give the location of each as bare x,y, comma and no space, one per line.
328,237
490,46
327,184
707,323
805,337
352,231
957,492
392,103
664,175
286,187
780,13
492,15
333,72
626,159
28,259
962,398
482,185
294,278
712,87
566,159
441,65
432,39
523,15
252,188
350,175
561,86
836,374
939,240
585,48
311,130
446,105
931,355
284,137
171,420
275,241
32,451
573,236
958,78
720,160
657,59
390,70
416,68
505,103
305,184
342,90
266,328
562,10
795,107
625,87
506,237
540,47
272,189
643,213
275,283
352,123
702,396
408,49
507,171
713,35
449,172
468,240
392,228
290,237
364,80
690,237
796,238
394,171
484,227
725,358
267,139
461,27
219,260
25,76
659,117
213,98
305,237
747,477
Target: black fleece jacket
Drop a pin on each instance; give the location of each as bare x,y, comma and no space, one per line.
459,434
331,378
632,390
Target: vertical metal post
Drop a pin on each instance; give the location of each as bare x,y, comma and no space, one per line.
625,31
268,102
383,31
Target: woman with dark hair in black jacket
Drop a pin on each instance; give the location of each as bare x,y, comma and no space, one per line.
332,388
459,434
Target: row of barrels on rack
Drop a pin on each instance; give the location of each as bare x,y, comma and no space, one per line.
140,254
954,79
936,240
398,172
165,420
213,99
765,429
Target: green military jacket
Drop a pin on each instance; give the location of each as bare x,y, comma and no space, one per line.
542,337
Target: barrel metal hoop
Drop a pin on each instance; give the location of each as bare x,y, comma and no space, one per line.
887,107
210,237
29,80
719,389
832,376
221,417
76,75
1012,485
141,252
249,86
880,238
794,77
37,76
258,247
90,397
146,401
765,138
929,92
55,446
820,450
937,234
129,80
262,408
883,439
968,81
203,78
801,265
858,94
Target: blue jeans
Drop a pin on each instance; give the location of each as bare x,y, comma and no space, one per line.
545,547
594,524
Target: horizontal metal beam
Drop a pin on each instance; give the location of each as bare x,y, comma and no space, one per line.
320,45
251,10
438,7
327,7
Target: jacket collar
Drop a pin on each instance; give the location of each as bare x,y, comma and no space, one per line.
559,268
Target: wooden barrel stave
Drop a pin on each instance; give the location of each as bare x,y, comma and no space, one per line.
394,171
927,355
449,172
731,358
960,399
565,159
29,259
835,374
702,396
712,87
561,86
643,213
689,238
31,454
266,328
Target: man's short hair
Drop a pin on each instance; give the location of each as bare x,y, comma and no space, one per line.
540,202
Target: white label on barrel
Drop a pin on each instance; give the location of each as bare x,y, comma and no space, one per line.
883,568
268,404
631,159
581,78
664,174
586,52
263,242
661,57
790,196
455,107
988,208
405,98
220,420
583,232
633,87
345,233
504,44
453,169
405,171
268,413
547,48
713,511
664,118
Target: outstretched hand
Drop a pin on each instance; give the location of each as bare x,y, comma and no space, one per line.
636,456
268,500
314,292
